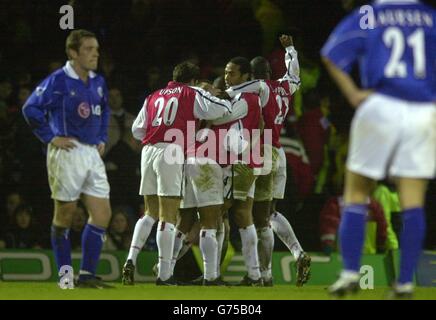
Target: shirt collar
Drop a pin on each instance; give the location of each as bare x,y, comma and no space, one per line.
69,70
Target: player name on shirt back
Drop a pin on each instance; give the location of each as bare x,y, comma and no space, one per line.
404,17
170,91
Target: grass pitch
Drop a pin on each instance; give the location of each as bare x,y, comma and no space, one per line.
50,291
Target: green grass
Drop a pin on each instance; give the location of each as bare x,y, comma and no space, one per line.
49,290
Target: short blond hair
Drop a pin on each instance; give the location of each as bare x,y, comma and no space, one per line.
74,40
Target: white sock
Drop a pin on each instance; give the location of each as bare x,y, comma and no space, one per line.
209,248
178,243
265,248
249,250
284,231
165,243
142,230
220,235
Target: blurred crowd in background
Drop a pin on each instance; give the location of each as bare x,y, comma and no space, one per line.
140,42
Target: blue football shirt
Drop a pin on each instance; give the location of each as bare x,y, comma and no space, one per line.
394,44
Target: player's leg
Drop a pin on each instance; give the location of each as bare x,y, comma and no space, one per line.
281,225
261,216
284,231
412,197
66,174
187,214
95,197
244,221
286,234
141,233
142,230
374,139
414,164
92,239
208,243
166,233
352,231
265,247
243,186
63,215
222,241
187,218
206,177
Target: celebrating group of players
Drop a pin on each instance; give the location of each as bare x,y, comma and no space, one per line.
233,164
206,156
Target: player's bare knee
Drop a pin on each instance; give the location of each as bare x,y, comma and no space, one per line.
243,218
63,213
154,215
208,221
187,219
261,221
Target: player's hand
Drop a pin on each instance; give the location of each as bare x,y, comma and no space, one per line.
286,40
211,89
101,148
357,98
224,95
64,143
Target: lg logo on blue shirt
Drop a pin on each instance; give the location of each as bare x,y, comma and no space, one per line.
84,110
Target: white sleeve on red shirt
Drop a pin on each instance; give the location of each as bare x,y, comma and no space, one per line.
292,75
139,126
209,107
239,111
256,86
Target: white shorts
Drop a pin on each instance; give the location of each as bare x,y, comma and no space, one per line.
159,176
79,170
279,181
236,186
393,137
265,180
204,184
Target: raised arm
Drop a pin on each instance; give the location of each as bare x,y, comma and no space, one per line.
292,75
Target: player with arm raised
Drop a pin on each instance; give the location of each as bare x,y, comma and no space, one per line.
393,132
68,111
164,125
276,96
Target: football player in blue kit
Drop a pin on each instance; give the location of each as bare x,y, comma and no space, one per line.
68,111
393,132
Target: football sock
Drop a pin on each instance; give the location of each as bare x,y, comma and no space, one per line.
411,243
92,242
165,243
249,251
284,231
265,248
209,247
178,244
352,235
61,245
140,235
